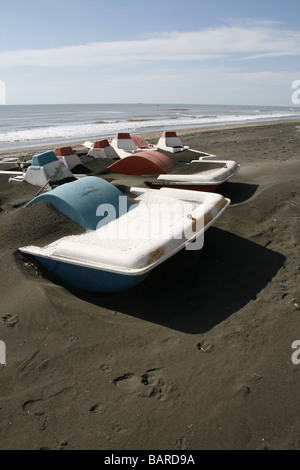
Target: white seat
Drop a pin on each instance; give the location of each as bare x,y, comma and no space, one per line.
170,141
67,155
102,149
123,144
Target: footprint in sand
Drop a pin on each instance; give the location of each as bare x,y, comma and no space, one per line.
148,385
10,320
105,367
97,409
205,347
40,406
245,387
182,443
116,430
109,364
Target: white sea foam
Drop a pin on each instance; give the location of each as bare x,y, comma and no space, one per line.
36,126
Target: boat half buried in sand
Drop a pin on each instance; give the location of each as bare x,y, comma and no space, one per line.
124,239
51,168
170,142
124,144
160,171
10,164
161,168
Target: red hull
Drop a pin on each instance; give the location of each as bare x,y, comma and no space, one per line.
193,187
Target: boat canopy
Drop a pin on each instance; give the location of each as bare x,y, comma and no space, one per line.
143,163
63,151
103,149
80,200
43,159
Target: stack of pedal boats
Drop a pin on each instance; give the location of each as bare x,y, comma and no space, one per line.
126,236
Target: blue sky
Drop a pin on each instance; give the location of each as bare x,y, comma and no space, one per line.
162,51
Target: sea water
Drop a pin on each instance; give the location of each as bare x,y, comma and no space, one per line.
42,125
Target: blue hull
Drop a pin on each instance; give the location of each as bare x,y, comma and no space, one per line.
88,279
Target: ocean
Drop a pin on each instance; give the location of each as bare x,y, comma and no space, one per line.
42,125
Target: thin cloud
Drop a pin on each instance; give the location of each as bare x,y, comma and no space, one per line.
271,54
264,77
246,43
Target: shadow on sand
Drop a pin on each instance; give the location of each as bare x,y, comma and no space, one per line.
195,290
237,192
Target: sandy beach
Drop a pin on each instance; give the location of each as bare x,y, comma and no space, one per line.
199,356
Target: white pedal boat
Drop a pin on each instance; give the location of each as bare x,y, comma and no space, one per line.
119,250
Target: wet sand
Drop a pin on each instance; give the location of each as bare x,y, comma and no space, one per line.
196,357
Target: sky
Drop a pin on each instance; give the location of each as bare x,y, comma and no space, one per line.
232,52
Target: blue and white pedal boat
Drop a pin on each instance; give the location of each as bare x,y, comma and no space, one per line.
123,242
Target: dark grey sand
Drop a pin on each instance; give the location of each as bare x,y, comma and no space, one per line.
198,356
